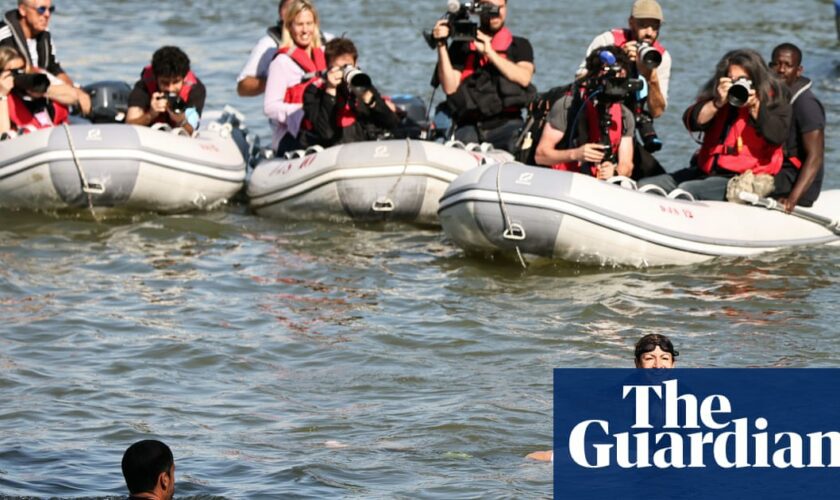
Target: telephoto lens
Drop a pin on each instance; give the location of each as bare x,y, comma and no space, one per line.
739,92
649,56
355,78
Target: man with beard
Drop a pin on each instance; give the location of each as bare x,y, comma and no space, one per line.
487,81
800,180
645,21
27,29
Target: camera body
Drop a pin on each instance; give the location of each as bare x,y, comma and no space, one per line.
650,139
739,92
649,56
462,28
175,103
609,82
37,83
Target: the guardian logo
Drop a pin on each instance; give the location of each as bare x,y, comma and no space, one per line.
690,428
684,433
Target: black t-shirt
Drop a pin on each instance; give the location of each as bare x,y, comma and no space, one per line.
808,116
520,50
140,97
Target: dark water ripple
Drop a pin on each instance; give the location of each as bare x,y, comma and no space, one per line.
316,360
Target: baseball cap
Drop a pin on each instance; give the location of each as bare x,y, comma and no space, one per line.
647,9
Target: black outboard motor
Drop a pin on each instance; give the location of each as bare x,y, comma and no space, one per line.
413,122
109,101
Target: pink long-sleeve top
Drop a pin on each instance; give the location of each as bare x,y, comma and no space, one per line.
283,117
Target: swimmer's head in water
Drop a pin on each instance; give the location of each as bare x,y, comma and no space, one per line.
655,351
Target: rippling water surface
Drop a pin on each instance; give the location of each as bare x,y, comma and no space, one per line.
318,360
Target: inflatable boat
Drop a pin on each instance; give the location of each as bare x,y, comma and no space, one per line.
510,208
125,166
395,180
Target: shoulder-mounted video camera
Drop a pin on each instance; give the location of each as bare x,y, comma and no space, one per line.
611,82
462,28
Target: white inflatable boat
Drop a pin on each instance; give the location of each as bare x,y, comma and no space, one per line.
396,180
561,215
124,166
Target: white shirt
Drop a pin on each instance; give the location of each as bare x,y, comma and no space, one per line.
259,60
663,71
32,45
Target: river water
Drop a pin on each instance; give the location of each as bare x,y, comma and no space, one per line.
320,360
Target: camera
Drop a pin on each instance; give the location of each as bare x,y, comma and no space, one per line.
175,103
37,83
648,135
739,92
356,79
610,84
649,56
462,28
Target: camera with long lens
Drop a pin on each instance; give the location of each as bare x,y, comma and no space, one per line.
739,92
355,79
37,83
175,103
650,139
462,28
649,56
610,84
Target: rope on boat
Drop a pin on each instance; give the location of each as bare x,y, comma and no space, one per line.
386,203
512,232
88,188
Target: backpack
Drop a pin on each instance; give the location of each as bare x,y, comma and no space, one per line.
538,111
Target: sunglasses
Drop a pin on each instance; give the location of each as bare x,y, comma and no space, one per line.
43,10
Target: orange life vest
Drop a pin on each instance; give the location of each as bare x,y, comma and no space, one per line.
742,149
501,42
317,62
22,118
594,124
150,81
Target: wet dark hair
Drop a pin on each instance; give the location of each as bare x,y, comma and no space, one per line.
170,62
594,63
339,47
768,86
142,464
797,53
651,341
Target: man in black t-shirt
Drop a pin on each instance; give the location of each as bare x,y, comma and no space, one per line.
488,81
800,180
167,92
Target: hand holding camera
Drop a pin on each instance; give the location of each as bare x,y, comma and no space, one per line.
167,102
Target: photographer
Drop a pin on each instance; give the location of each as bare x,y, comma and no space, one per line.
487,81
344,107
651,62
589,130
167,92
27,30
745,115
23,102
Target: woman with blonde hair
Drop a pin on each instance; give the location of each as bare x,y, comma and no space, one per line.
10,61
296,65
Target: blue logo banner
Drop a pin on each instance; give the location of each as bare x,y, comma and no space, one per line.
692,433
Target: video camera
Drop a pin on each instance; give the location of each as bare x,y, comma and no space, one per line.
610,84
462,28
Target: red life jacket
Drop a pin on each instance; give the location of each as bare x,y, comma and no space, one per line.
345,117
594,125
622,36
742,149
501,42
150,81
22,118
294,93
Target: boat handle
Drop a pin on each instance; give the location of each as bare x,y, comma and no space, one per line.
385,205
514,233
